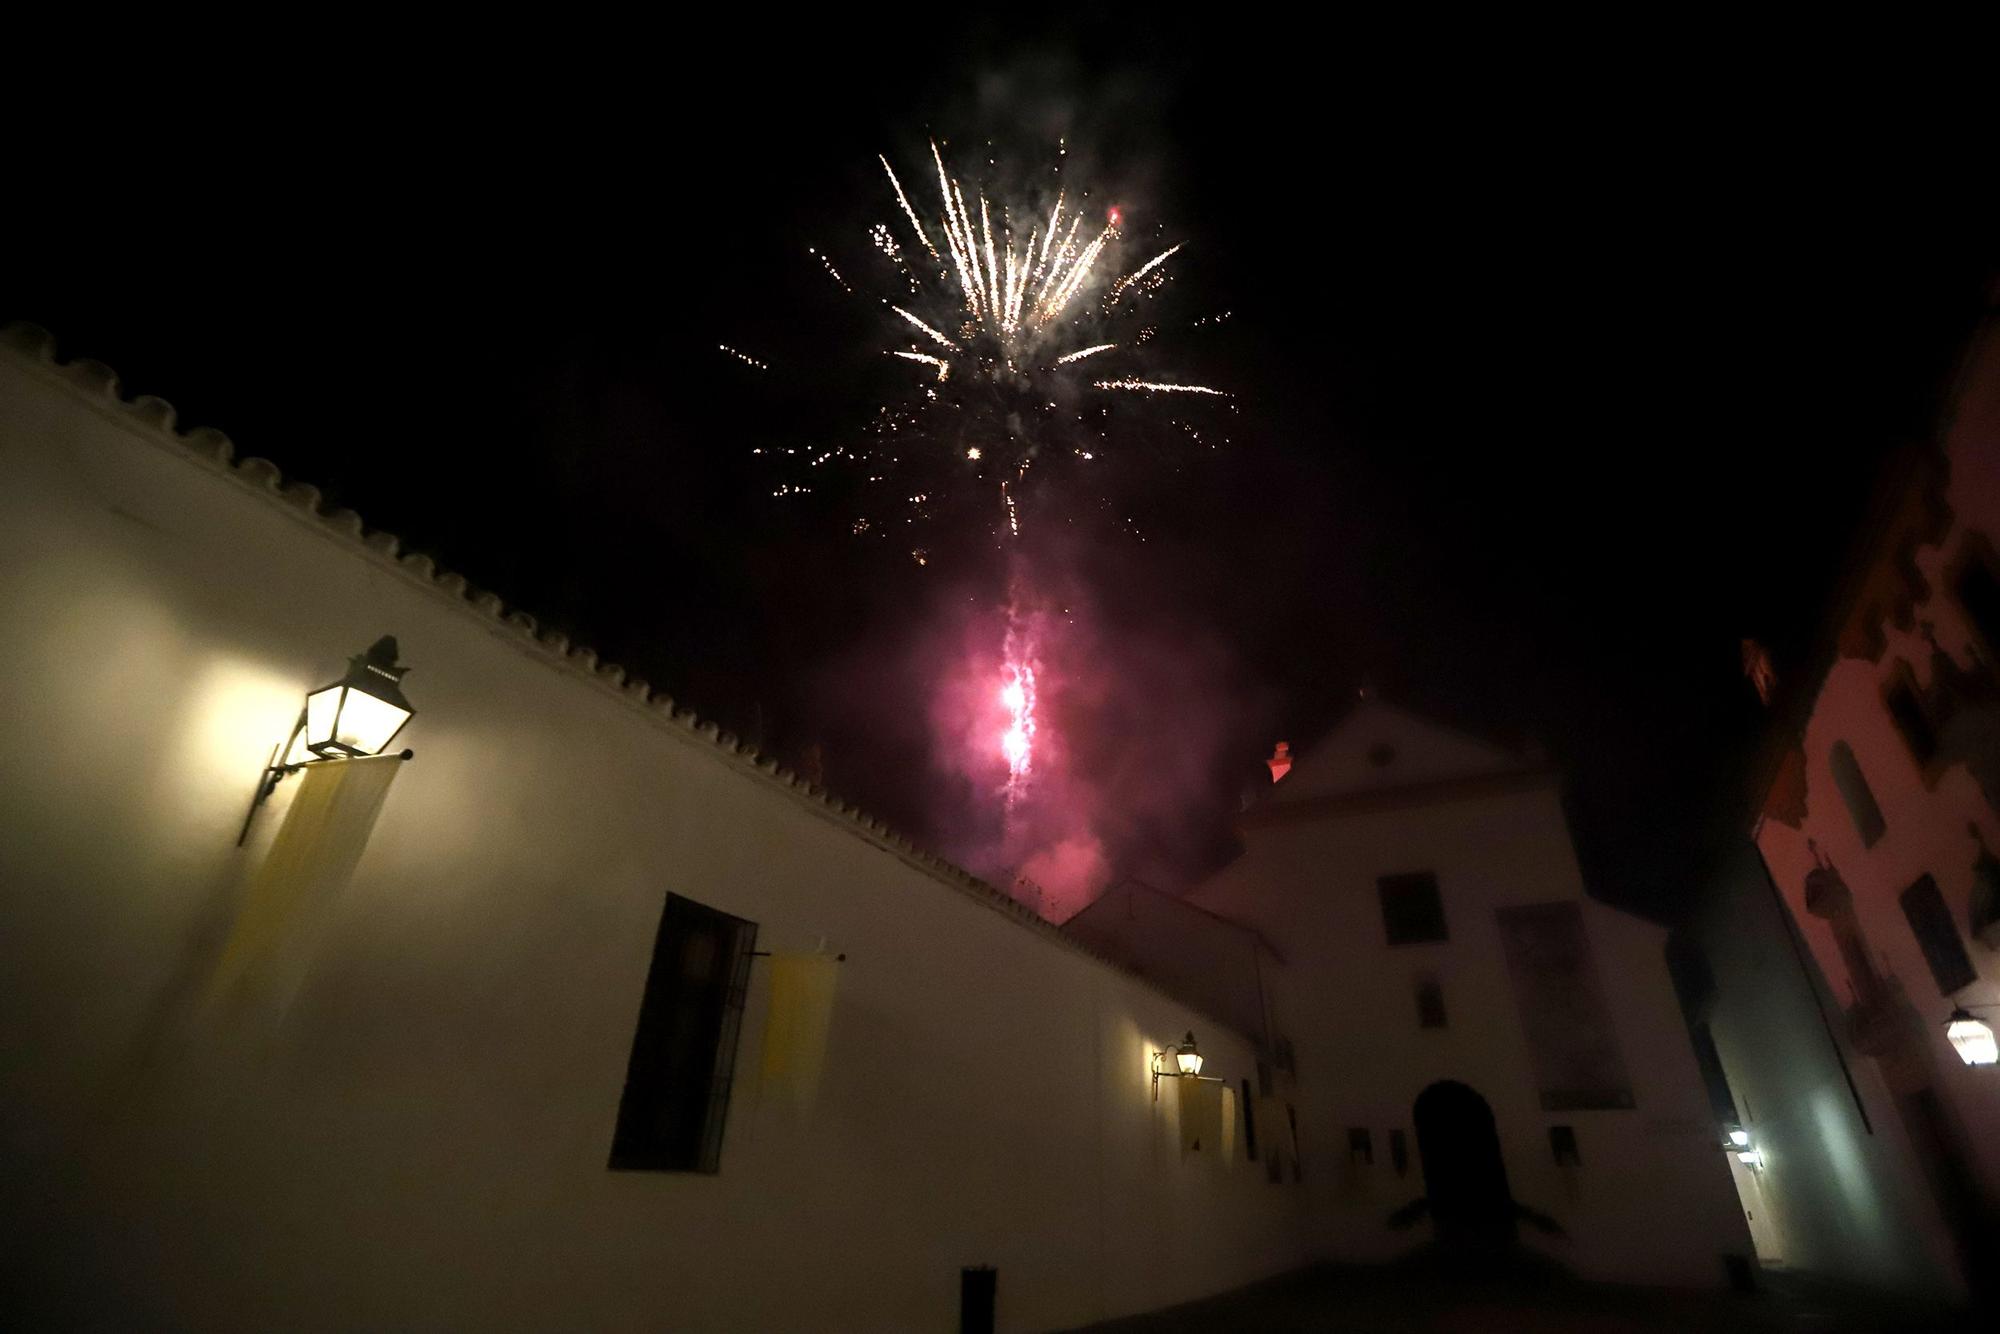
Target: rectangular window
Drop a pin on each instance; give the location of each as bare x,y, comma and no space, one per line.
1930,921
1412,910
1562,1143
1360,1147
1430,1003
1249,1123
684,1048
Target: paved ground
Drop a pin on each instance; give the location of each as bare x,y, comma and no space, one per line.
1421,1297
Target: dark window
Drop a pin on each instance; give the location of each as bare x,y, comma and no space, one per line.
684,1049
1978,592
1562,1143
1906,710
1412,911
1249,1123
1430,1003
1854,790
1930,921
1360,1147
1399,1152
977,1289
1292,1120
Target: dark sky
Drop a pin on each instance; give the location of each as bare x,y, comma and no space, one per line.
1554,384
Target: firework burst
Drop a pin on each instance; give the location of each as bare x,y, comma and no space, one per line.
991,303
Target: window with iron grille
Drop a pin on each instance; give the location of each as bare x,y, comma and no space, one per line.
1412,910
1249,1123
677,1081
1930,921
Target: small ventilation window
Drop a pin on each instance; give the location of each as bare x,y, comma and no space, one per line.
1860,799
1430,1003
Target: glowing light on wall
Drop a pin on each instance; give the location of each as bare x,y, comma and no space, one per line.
1973,1038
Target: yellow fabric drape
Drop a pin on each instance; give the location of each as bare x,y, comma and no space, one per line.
1201,1115
795,1031
1228,1125
309,862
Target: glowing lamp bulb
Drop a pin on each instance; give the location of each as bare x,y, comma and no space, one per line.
1973,1038
1187,1058
1740,1138
1751,1158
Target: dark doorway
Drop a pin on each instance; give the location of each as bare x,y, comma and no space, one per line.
1464,1176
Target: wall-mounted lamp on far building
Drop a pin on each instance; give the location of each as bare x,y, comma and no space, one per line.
1746,1153
1180,1061
352,718
1972,1036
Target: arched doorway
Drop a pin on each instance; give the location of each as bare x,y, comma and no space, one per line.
1464,1175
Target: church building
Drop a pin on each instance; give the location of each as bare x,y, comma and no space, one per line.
1461,1032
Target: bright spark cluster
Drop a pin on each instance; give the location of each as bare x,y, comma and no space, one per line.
991,299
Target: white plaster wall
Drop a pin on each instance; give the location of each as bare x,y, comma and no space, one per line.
1214,964
1841,1192
419,1140
1652,1201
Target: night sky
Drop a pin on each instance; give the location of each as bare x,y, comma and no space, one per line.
1552,386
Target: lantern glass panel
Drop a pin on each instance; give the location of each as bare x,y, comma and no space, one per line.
1974,1040
1189,1061
322,709
367,724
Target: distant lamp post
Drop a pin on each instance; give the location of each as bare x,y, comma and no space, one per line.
1186,1063
1973,1037
354,717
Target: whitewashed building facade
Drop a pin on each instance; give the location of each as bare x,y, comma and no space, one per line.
1879,826
1443,972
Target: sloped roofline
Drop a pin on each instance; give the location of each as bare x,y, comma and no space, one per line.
153,419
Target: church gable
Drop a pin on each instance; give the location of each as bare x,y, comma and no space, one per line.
1380,746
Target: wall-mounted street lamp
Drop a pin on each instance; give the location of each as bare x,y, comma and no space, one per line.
356,716
1972,1036
1180,1061
1746,1153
